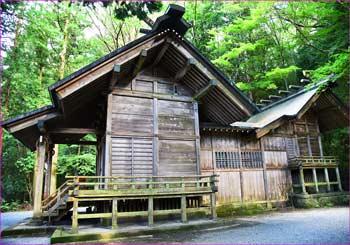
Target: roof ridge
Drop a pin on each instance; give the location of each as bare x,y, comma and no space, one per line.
304,90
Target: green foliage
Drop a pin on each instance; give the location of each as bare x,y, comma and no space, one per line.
9,206
261,46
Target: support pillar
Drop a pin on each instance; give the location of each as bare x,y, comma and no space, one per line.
338,179
213,205
75,216
150,211
302,183
183,209
53,177
115,213
38,177
314,175
327,179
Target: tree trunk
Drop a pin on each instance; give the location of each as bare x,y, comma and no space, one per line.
63,53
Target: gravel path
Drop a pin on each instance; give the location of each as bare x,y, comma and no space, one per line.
316,226
12,218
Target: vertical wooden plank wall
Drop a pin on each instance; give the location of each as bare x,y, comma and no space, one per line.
262,172
154,128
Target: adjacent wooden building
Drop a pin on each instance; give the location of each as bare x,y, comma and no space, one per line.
171,130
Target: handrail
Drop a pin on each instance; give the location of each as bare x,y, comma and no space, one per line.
315,160
138,177
142,183
145,184
53,197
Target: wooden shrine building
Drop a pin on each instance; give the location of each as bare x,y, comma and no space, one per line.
171,130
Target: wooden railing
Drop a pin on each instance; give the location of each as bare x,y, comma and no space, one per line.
314,160
55,197
114,188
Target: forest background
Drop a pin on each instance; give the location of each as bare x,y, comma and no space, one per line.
261,46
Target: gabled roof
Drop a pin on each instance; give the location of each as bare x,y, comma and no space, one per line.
92,80
291,107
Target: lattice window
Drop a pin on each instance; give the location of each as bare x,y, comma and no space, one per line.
227,159
250,159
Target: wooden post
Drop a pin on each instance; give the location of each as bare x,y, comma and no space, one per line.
38,177
75,216
150,211
266,187
48,173
213,205
338,179
53,178
327,179
213,198
315,179
302,183
196,126
241,169
108,144
115,213
183,209
155,134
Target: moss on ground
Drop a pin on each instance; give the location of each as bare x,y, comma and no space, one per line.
231,210
323,202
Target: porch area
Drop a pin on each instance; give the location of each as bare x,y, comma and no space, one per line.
314,175
114,197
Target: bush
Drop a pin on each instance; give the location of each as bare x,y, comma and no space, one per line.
9,206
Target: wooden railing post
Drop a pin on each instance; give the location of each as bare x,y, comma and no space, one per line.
183,209
314,175
75,215
327,179
338,179
150,210
76,186
213,197
115,213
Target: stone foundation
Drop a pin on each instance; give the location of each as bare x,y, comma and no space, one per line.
320,200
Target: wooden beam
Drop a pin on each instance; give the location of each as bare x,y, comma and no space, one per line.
141,59
162,52
73,131
265,130
295,87
53,178
185,68
76,142
307,106
204,91
223,88
286,92
103,68
338,179
31,122
274,97
265,101
314,176
301,180
326,176
38,177
115,213
114,79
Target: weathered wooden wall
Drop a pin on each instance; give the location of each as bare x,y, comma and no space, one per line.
308,135
154,128
250,169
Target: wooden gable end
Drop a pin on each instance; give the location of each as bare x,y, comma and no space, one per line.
152,127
